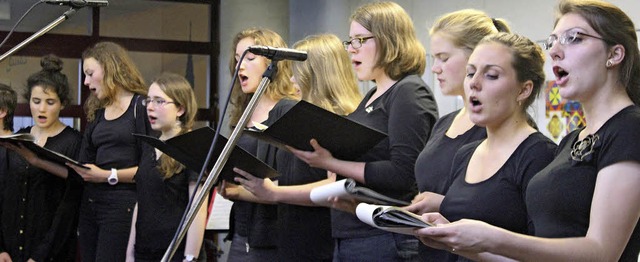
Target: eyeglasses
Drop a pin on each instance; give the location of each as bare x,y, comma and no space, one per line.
156,102
356,42
569,38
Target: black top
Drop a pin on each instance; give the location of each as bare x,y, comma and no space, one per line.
40,210
433,165
258,222
4,165
498,200
305,232
161,204
406,112
110,143
559,197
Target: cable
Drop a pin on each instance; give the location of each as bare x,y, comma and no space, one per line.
18,22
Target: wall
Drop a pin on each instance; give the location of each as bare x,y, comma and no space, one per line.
305,17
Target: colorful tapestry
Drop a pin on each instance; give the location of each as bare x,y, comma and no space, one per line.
563,116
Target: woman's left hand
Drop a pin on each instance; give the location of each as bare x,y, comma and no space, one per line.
346,205
261,188
21,150
92,174
318,158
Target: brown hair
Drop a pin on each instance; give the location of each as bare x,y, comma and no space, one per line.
326,78
50,78
612,24
280,87
399,51
119,73
8,103
179,90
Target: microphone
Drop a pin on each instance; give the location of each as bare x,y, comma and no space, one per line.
78,3
277,54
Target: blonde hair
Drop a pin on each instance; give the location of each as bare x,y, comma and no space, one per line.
399,51
280,87
119,73
326,78
179,90
465,28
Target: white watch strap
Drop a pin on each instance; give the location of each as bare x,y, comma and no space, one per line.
113,178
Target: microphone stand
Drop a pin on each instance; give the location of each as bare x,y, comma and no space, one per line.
222,160
42,31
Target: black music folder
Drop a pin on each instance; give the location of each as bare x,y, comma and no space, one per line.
344,138
28,141
191,150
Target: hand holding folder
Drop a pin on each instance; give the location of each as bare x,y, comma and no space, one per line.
28,141
191,150
345,139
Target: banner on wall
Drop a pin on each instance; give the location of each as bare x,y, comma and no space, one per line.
562,116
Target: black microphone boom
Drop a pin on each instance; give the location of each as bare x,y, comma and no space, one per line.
277,54
78,3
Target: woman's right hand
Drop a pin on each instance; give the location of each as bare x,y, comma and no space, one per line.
93,174
425,202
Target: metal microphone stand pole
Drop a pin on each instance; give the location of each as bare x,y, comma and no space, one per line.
222,159
42,31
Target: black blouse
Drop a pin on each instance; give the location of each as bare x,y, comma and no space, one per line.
559,197
406,112
40,210
161,204
109,143
433,166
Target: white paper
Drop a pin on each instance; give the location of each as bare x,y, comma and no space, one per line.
219,212
365,212
321,194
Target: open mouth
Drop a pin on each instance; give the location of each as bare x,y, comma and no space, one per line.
243,79
560,73
152,119
474,101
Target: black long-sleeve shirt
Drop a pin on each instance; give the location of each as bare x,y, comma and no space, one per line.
407,113
40,210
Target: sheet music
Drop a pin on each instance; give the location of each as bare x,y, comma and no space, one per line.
219,211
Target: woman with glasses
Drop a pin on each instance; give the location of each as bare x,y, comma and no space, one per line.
384,49
584,204
109,149
163,184
40,199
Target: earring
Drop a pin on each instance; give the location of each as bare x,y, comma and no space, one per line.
609,63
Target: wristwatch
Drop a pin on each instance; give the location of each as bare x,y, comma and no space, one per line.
190,258
113,178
